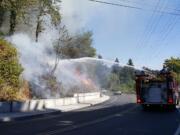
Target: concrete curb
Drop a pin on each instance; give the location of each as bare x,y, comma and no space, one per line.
42,104
33,115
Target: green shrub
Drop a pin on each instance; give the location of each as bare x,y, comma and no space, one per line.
122,79
10,71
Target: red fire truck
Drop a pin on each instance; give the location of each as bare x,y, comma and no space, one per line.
160,89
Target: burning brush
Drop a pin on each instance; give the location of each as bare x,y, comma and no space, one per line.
86,82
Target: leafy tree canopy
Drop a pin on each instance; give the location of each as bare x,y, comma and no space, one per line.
80,46
173,64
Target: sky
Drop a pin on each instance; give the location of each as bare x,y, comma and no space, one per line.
148,35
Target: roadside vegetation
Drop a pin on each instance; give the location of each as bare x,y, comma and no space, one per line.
10,71
173,64
122,78
15,14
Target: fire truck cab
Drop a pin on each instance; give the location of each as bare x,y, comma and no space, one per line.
160,89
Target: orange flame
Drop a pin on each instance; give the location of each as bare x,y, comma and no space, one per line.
84,80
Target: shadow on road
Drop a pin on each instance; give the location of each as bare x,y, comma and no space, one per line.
105,119
154,121
158,108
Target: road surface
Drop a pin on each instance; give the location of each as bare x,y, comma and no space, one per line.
118,116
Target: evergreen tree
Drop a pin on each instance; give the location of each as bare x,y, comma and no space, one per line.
100,56
117,60
130,62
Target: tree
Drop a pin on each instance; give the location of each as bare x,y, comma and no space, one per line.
2,13
63,41
80,46
122,78
117,60
17,10
47,7
100,56
130,62
127,74
173,64
10,71
49,79
113,82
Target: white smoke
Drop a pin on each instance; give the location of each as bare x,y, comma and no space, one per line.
74,75
33,56
38,58
76,15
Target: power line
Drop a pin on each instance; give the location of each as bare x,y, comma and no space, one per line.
128,1
154,25
115,4
146,4
169,27
137,3
148,27
134,7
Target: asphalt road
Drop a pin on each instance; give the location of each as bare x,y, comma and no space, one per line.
118,116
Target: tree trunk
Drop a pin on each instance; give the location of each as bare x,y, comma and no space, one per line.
13,16
55,65
39,24
1,16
